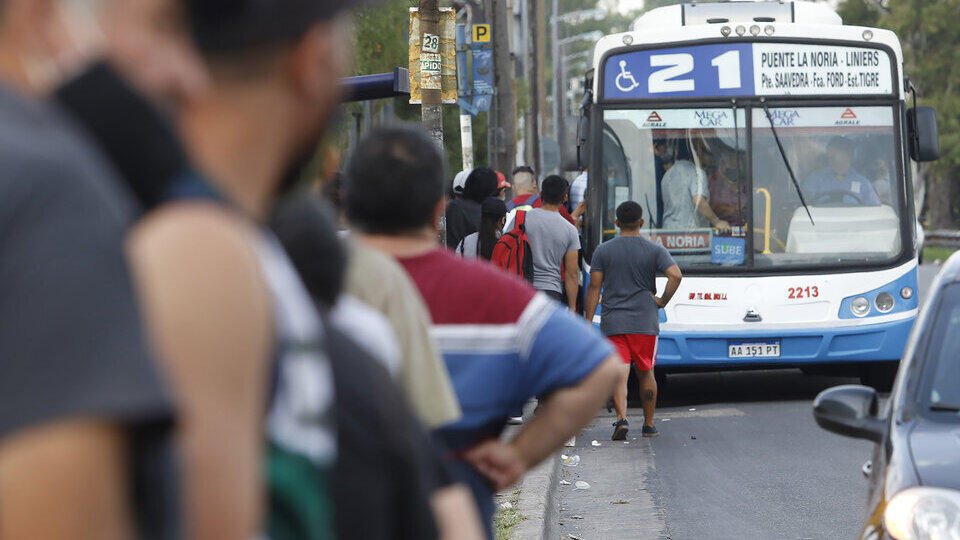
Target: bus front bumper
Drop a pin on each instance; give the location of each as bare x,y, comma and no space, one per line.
840,344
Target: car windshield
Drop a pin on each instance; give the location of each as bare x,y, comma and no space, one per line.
943,355
704,194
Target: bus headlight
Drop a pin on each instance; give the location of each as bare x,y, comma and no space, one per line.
906,293
922,512
755,30
860,306
884,302
741,29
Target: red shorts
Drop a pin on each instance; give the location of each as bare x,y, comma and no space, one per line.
641,349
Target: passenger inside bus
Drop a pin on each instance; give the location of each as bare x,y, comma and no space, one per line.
728,191
839,184
686,195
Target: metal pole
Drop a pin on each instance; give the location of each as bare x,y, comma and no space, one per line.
504,69
466,140
533,75
555,61
466,120
432,100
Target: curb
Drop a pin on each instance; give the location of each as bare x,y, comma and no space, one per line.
538,501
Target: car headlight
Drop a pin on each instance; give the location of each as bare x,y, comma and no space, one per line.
860,306
923,514
884,302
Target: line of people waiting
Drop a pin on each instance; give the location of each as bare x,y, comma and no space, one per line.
189,345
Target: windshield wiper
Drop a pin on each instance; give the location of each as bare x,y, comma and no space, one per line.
940,406
783,154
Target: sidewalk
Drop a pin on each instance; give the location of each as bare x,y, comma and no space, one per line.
621,501
619,504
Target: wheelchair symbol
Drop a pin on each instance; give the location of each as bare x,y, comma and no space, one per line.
624,77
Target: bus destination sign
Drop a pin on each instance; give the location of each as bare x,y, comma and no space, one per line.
748,69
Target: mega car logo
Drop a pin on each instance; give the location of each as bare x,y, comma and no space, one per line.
654,120
848,118
784,117
711,118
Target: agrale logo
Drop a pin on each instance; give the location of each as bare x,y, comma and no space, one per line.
848,118
654,120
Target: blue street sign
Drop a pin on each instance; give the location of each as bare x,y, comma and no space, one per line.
482,78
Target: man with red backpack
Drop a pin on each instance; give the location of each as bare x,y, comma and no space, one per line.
553,242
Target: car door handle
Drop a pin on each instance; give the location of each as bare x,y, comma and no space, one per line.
867,468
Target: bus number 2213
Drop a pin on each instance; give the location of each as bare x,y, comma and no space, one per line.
797,293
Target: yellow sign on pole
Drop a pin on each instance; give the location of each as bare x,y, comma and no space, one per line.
481,33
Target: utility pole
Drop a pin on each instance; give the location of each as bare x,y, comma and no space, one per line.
533,75
557,63
431,108
505,148
541,97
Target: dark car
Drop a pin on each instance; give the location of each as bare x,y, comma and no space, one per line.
915,471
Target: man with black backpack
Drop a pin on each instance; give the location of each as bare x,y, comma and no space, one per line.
554,243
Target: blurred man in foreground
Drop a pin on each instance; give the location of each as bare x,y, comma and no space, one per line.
233,325
83,416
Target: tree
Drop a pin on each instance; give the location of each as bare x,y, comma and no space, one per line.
930,36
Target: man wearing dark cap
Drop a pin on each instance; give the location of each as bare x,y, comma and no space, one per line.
233,325
839,183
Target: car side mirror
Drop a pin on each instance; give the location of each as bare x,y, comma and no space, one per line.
851,411
923,135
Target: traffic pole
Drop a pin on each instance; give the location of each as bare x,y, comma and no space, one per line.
431,108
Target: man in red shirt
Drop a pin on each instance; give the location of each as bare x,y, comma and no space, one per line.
503,342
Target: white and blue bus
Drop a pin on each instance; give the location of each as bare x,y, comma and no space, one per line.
771,148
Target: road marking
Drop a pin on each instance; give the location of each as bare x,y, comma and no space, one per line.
704,413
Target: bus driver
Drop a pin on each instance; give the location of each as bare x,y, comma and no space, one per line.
839,182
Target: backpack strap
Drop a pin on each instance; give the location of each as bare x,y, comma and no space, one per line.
521,219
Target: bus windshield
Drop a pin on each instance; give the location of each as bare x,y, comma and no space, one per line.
713,201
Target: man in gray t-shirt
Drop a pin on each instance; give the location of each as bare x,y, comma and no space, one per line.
554,243
686,197
625,269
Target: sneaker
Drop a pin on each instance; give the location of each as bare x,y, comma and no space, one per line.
515,420
620,429
650,431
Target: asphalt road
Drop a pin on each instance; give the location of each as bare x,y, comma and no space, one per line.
739,457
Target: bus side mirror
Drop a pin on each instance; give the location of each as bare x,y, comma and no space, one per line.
922,132
570,144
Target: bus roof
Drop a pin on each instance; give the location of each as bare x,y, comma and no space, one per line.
744,22
736,12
